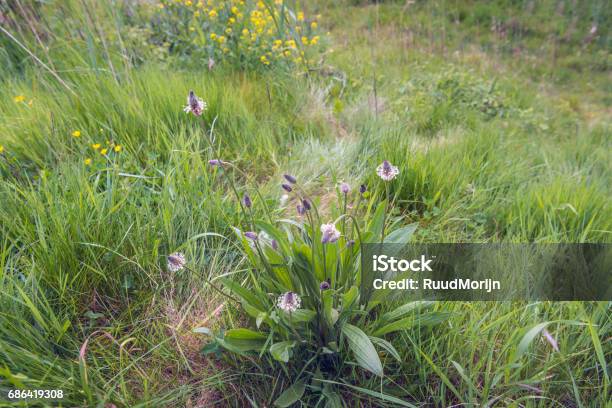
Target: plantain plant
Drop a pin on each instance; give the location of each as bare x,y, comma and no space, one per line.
310,303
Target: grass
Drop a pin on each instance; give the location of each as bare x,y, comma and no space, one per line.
485,155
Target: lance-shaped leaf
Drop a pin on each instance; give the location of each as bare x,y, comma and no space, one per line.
363,349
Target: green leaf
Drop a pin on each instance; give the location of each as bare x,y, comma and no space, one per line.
598,350
388,347
535,331
300,315
349,297
291,395
242,340
282,351
275,233
209,348
245,294
429,319
331,315
529,336
251,310
402,235
465,377
261,317
363,349
244,334
332,398
376,224
408,307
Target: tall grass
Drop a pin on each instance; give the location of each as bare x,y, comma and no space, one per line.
86,304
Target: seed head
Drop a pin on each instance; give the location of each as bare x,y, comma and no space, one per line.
330,233
290,178
251,235
246,201
176,261
195,105
215,162
387,171
289,302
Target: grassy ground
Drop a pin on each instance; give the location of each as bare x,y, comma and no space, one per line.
489,150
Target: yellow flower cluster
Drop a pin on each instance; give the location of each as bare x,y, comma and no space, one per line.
21,99
246,32
102,149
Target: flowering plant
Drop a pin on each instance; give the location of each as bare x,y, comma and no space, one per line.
310,304
309,299
248,34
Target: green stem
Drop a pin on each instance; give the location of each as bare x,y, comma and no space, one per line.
344,220
382,239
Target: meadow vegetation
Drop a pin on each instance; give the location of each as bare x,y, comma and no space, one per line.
497,115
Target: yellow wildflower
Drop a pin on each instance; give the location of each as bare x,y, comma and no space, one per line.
313,25
228,30
231,20
264,60
76,133
118,148
196,13
104,151
300,16
235,10
1,149
96,146
245,32
314,40
212,13
213,36
19,98
87,161
305,40
221,39
188,3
